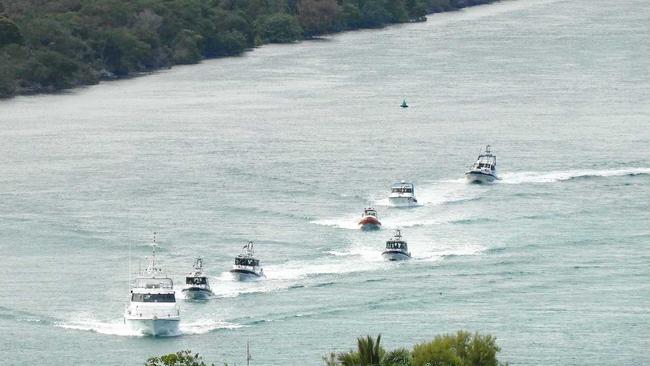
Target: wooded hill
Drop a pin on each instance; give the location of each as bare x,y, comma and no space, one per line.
48,45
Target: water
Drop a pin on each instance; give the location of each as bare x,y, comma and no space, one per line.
287,144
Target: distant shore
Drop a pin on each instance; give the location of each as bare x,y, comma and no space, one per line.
71,43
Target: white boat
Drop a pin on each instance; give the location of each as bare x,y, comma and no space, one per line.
246,266
197,286
402,194
396,248
152,308
484,170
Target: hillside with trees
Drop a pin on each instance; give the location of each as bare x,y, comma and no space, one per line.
49,45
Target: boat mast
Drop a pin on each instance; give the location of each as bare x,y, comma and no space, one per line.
153,246
248,353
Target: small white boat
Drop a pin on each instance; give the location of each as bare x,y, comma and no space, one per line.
402,194
197,286
484,170
246,266
152,308
396,248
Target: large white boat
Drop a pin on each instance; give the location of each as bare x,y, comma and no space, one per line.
197,286
152,308
396,248
246,266
402,194
484,170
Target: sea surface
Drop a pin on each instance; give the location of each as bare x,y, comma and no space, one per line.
287,144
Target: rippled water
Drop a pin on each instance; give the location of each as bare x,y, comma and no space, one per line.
286,145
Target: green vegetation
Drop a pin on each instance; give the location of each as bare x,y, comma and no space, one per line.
460,349
48,45
181,358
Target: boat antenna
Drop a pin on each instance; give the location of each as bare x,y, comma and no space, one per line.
248,353
129,274
153,246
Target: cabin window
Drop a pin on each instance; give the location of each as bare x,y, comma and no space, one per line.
196,280
153,298
152,283
246,262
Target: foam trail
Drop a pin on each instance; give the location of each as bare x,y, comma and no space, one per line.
92,325
448,191
436,251
564,175
205,326
349,222
121,329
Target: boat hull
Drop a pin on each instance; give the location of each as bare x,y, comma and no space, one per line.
402,201
480,178
195,293
391,255
369,223
245,275
155,327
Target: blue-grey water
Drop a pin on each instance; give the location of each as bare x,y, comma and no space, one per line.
285,146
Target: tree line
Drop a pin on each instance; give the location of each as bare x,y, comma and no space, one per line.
459,349
48,45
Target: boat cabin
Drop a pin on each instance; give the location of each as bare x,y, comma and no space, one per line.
486,160
370,212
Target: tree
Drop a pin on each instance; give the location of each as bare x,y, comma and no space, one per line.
374,14
370,351
49,70
318,16
187,47
460,349
279,28
9,32
181,358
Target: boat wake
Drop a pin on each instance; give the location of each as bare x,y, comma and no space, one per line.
565,175
118,328
434,194
439,251
206,326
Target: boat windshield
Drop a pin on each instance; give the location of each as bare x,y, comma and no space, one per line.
196,280
395,245
153,297
371,212
402,189
153,283
247,262
485,165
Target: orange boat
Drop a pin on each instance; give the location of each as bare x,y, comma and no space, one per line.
369,220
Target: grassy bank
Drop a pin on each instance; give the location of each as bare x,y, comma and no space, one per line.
49,45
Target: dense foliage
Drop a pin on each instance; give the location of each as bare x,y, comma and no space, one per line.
460,349
47,45
181,358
